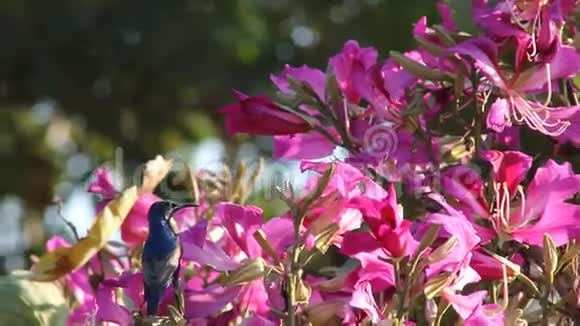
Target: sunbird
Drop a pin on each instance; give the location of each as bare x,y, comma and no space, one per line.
161,255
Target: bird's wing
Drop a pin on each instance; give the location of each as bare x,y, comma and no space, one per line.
158,272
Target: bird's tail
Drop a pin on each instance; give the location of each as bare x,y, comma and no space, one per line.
153,297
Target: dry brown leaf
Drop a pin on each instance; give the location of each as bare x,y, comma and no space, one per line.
62,261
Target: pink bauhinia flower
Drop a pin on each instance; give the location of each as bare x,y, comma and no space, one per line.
258,115
240,224
135,227
512,106
352,60
307,146
518,213
387,225
312,77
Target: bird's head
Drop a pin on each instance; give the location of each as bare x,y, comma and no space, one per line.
163,210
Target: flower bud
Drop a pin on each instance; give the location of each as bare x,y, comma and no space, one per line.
418,69
429,237
324,313
435,285
443,250
251,270
550,254
324,238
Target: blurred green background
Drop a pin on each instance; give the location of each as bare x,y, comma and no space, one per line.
91,81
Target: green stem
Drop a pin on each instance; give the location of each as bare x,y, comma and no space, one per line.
440,315
479,117
401,311
294,272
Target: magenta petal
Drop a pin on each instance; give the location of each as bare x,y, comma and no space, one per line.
276,231
489,314
344,62
209,301
465,305
558,178
483,52
135,227
253,297
132,285
103,183
82,314
56,242
240,222
313,77
303,146
465,185
510,167
362,298
79,284
494,22
560,220
446,17
498,116
260,116
355,242
396,79
510,137
346,179
572,115
108,310
565,63
454,224
196,248
195,235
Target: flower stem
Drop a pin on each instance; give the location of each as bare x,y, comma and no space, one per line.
293,274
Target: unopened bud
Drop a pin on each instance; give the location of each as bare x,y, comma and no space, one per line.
252,270
435,285
429,237
324,238
418,69
324,313
550,254
443,250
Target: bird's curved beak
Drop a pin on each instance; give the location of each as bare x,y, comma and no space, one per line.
176,207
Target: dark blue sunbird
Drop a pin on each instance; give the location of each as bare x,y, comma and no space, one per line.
161,254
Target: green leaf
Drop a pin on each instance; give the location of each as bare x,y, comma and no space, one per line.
25,302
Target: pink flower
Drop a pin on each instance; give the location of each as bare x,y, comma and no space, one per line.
135,227
352,60
453,225
109,309
258,115
446,17
313,77
524,214
197,248
349,181
305,146
240,223
490,268
545,210
208,301
552,121
386,222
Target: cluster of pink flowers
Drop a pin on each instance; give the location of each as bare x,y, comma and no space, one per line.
434,207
